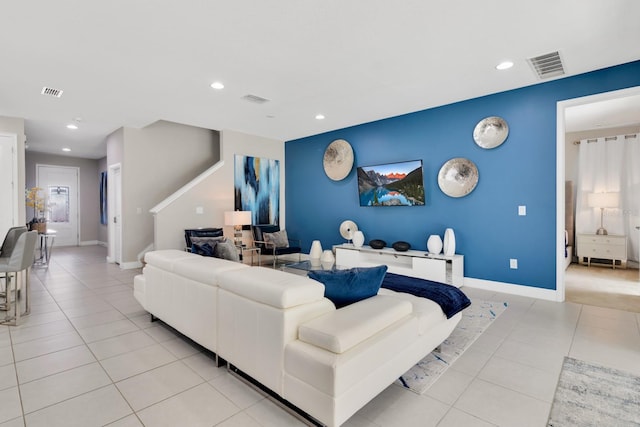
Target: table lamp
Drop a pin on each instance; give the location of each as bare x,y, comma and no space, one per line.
603,201
237,219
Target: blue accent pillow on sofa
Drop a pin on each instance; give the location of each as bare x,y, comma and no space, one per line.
344,287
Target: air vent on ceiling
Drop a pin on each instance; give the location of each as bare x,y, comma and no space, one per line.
51,92
549,65
255,99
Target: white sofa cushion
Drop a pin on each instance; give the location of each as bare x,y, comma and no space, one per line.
166,258
272,287
428,313
347,327
205,269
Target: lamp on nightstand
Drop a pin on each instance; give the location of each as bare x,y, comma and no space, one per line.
237,219
603,201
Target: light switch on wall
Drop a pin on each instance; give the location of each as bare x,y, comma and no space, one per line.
522,210
513,263
199,210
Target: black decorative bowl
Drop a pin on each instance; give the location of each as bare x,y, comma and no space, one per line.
401,246
377,243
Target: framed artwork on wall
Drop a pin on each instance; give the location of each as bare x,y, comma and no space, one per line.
257,188
103,198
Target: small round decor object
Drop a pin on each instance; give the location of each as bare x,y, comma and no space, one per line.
347,228
490,132
377,243
358,239
458,177
401,246
434,244
338,160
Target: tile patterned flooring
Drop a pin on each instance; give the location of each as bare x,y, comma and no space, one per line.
88,355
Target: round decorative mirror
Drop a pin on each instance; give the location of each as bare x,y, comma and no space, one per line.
490,132
458,177
338,160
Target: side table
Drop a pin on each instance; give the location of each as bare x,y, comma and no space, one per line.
604,247
252,250
46,246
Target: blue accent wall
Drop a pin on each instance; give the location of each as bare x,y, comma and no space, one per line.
488,230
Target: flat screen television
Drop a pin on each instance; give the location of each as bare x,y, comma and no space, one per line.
391,184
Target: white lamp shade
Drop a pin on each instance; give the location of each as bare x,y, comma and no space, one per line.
237,218
603,200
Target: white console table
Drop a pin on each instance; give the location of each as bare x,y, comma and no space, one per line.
420,264
610,247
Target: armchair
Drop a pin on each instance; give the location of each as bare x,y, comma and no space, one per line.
270,247
200,232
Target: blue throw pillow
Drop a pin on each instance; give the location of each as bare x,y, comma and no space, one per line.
204,249
344,287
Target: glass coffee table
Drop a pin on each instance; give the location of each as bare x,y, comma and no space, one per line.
303,267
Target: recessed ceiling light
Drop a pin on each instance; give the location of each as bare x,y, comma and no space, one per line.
505,65
319,116
217,85
66,149
72,126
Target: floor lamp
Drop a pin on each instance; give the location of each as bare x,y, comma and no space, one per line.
237,219
603,201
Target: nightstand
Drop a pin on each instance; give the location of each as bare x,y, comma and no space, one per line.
602,247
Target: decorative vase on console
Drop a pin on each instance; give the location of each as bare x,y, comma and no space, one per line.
327,259
449,247
434,244
358,239
316,252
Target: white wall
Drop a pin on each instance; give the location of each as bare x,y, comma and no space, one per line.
213,192
16,125
156,161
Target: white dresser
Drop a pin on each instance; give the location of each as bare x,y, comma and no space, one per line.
438,268
602,247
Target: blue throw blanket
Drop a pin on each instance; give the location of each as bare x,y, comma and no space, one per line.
451,299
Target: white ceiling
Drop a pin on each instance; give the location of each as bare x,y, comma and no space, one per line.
132,62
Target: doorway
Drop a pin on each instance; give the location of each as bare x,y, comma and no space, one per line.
8,182
114,213
60,186
623,108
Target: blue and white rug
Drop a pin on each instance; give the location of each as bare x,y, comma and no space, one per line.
594,395
475,320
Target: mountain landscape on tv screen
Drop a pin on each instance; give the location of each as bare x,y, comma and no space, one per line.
396,188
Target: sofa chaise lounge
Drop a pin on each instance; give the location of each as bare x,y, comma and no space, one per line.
279,329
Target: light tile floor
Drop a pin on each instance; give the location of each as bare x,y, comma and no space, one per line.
88,355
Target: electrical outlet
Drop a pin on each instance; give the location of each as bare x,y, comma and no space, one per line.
199,210
522,210
513,264
139,211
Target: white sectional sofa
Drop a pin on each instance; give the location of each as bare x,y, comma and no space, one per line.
279,329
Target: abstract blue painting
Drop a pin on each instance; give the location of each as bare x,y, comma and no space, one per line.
257,188
103,198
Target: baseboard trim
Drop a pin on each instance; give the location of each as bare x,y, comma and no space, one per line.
513,289
130,265
89,243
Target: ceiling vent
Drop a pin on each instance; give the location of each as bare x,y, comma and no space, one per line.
255,99
49,91
546,66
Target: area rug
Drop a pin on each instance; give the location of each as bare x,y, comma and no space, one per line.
475,320
593,395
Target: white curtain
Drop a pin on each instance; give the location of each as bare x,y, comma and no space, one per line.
610,164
